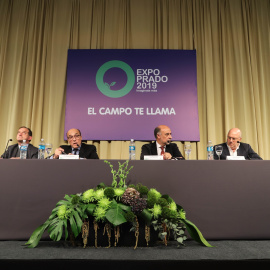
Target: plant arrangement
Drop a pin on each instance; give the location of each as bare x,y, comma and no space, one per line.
116,205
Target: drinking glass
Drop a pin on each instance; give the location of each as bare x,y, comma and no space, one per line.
218,149
187,149
48,148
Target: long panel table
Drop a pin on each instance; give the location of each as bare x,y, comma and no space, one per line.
225,199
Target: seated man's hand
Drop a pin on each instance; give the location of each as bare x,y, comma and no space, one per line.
58,152
167,155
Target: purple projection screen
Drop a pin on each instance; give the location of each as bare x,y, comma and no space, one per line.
125,94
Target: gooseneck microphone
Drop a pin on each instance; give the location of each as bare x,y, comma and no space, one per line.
64,153
238,141
10,140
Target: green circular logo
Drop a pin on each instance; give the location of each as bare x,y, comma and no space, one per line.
105,87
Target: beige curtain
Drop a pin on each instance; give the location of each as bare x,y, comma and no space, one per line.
231,37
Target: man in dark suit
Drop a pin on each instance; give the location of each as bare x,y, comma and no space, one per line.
13,151
162,145
234,146
76,146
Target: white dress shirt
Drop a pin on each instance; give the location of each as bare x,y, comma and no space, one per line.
233,154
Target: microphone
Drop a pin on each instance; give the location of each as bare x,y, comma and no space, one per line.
238,141
168,142
177,158
10,140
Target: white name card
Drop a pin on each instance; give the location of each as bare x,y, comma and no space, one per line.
235,158
68,156
153,157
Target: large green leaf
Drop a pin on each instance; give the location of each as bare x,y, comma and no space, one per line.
66,229
68,198
124,207
78,221
147,216
53,223
56,231
73,226
81,212
53,214
63,202
36,235
115,214
90,208
195,233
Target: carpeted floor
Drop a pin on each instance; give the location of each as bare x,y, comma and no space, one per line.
48,253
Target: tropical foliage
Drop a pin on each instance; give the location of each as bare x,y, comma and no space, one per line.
115,205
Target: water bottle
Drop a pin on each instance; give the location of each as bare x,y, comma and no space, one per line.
23,150
210,151
132,150
41,149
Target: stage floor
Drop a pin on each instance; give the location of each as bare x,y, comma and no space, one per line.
49,254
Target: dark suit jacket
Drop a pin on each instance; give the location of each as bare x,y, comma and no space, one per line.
151,149
243,150
14,151
87,151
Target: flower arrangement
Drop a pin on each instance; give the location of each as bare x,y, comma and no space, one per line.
116,205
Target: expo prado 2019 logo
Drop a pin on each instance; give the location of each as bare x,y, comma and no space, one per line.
146,79
104,87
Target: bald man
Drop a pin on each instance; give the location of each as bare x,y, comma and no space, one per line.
234,146
162,145
76,146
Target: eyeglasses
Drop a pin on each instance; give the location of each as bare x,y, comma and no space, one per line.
76,136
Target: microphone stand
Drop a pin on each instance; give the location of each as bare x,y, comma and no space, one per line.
10,140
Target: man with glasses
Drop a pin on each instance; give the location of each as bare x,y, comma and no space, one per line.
234,146
13,151
76,146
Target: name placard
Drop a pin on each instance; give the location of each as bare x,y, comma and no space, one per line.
235,158
68,156
153,157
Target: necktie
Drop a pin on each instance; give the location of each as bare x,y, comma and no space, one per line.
75,151
162,150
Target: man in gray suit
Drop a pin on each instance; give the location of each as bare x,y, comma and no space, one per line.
13,151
